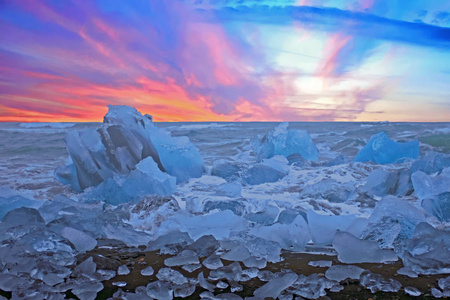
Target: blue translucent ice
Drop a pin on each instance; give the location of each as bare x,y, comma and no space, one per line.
282,141
113,150
269,170
381,150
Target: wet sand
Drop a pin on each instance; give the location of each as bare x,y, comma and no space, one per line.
138,259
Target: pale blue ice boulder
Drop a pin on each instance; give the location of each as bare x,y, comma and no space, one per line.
381,183
438,206
432,162
282,141
146,179
269,170
324,227
10,203
124,139
429,185
381,150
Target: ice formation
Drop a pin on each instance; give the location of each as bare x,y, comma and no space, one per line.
428,185
269,170
124,140
282,141
352,250
381,150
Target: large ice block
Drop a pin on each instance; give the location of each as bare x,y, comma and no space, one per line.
282,141
145,179
269,170
124,139
432,162
438,206
428,185
352,250
381,150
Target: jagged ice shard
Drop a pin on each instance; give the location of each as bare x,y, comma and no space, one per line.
382,150
124,140
283,141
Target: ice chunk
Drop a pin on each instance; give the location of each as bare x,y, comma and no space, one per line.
232,272
412,291
253,262
11,203
436,293
123,140
151,211
204,283
172,276
184,290
123,270
407,271
239,253
392,222
375,282
330,190
427,185
324,227
79,239
172,242
259,247
204,246
438,206
339,160
145,179
269,170
381,183
23,216
341,272
430,163
147,271
282,141
229,189
444,284
218,224
292,236
311,287
87,267
320,263
265,217
226,170
351,250
274,287
183,258
213,262
159,290
381,150
192,267
428,251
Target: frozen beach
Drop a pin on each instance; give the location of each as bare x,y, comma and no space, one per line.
148,210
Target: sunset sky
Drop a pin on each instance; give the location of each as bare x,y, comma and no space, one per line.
226,60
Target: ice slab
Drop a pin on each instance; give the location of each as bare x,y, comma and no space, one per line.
352,250
204,246
23,216
342,272
269,170
381,150
432,162
213,262
428,185
438,206
185,257
231,272
159,290
10,203
148,271
412,291
392,222
238,253
274,287
292,236
226,170
145,179
311,287
381,183
323,227
172,276
330,190
376,282
123,140
320,263
282,141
